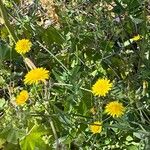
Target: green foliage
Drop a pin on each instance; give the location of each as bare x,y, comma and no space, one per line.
12,134
90,40
33,140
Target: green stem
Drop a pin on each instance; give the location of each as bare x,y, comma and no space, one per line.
55,133
69,85
6,22
50,120
63,66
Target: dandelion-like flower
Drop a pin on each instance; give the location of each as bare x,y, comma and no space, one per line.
23,46
22,97
96,127
136,38
36,75
101,87
115,109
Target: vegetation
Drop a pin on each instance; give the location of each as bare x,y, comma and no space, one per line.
74,75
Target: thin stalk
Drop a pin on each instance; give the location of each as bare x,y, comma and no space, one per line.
6,21
50,121
54,132
63,66
69,85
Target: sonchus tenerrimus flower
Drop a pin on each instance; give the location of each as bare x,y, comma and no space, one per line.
101,87
115,109
36,75
23,46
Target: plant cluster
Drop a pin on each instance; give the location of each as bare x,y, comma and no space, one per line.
74,75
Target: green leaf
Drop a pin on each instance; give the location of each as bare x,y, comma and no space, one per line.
12,134
136,20
132,147
138,135
10,146
2,102
6,52
59,77
2,141
129,138
52,35
33,140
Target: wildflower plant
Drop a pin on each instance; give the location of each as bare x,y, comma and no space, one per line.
82,72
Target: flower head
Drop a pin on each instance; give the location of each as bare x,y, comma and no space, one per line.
36,75
23,46
96,127
115,109
22,97
101,87
136,38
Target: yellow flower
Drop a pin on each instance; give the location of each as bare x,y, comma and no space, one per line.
96,127
130,41
23,46
22,97
115,109
136,38
36,75
101,87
